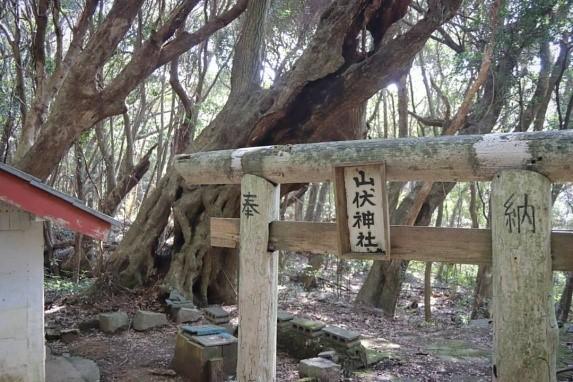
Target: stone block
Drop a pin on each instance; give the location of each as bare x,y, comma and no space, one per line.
71,369
145,320
187,315
113,321
190,359
309,327
216,315
296,338
340,334
230,354
177,301
202,330
322,369
194,355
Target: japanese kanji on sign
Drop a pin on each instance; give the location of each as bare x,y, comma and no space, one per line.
362,210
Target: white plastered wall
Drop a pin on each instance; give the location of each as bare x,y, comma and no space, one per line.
22,354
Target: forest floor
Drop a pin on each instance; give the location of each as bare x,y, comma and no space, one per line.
444,349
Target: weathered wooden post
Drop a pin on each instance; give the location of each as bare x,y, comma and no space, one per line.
525,328
258,281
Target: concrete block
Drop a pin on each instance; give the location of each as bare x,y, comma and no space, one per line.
113,321
340,335
320,368
177,301
145,320
193,355
191,359
216,315
187,315
309,327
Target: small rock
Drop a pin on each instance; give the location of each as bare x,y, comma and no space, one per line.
188,315
330,355
52,334
145,320
90,323
69,335
113,321
322,369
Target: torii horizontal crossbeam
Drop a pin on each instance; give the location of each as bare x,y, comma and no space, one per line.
448,158
451,245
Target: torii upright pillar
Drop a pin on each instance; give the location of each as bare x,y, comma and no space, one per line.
525,328
258,282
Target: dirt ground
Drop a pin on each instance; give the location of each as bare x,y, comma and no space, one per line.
445,349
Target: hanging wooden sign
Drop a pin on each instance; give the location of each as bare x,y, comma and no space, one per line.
362,216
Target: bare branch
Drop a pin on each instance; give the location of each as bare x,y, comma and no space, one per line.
428,121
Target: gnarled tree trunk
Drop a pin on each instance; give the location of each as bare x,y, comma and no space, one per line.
330,78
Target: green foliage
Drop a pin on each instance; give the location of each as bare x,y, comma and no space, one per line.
61,286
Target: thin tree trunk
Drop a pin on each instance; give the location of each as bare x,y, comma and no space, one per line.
428,291
403,106
565,301
78,251
428,274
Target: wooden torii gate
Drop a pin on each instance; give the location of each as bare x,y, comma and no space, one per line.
521,245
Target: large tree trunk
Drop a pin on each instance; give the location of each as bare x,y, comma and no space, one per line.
330,79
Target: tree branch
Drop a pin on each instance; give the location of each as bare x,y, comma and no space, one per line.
188,40
428,121
460,116
154,53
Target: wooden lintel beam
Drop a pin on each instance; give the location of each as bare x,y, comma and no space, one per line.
435,159
452,245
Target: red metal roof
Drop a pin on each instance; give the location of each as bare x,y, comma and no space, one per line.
29,194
